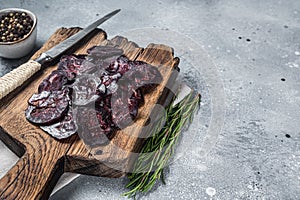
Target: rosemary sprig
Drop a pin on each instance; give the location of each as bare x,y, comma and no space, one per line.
160,146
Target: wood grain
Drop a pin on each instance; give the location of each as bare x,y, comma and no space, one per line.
44,159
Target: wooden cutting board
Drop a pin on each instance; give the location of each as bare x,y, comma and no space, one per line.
44,159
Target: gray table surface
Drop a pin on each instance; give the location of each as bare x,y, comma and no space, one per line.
254,47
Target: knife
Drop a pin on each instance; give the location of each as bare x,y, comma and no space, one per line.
18,76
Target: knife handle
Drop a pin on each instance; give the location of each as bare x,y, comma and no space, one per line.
17,77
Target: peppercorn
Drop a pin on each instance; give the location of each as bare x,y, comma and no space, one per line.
14,26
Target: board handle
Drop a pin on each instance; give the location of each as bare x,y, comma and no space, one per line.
32,177
10,81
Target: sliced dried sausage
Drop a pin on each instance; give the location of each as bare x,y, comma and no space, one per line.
64,128
47,107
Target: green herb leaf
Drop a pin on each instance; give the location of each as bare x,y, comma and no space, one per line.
159,148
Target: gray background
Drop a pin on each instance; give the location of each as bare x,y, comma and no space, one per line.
257,154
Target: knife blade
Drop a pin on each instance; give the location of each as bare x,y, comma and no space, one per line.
18,76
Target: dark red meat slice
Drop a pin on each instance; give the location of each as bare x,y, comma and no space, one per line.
64,128
125,102
70,65
137,73
120,110
143,75
89,128
47,107
85,89
75,65
98,54
55,81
